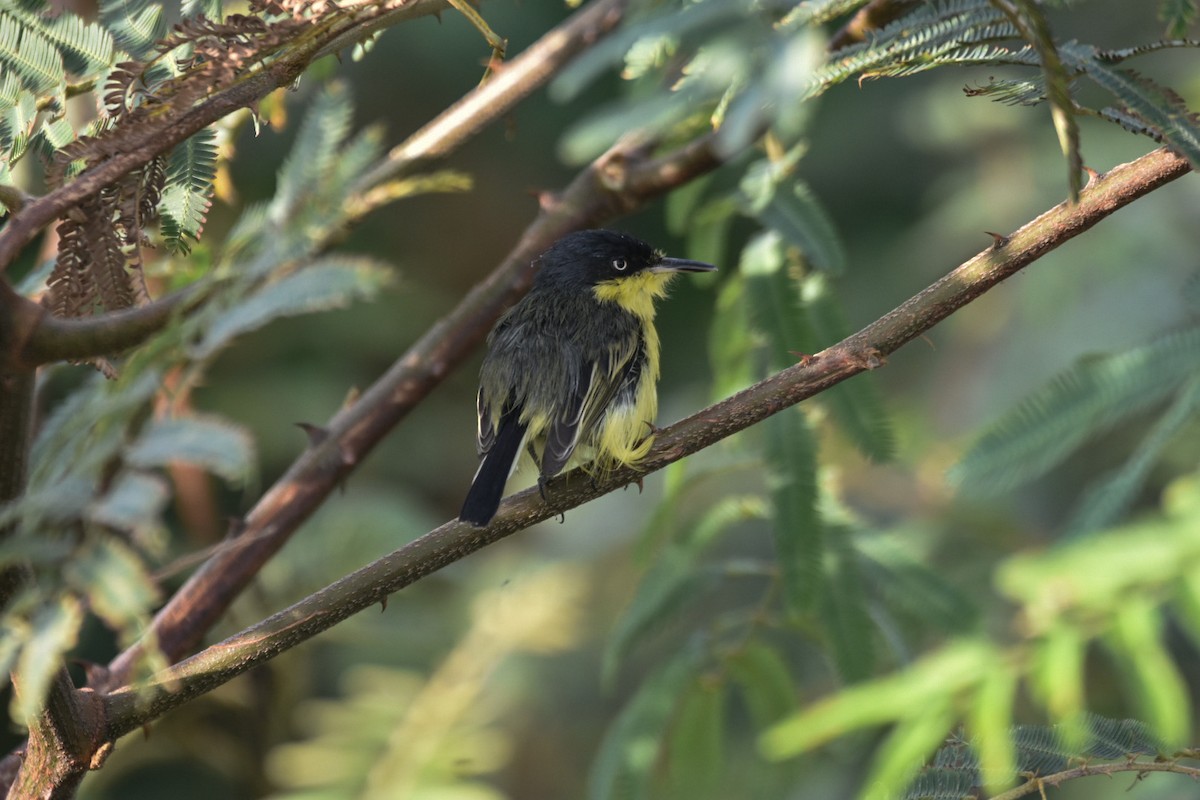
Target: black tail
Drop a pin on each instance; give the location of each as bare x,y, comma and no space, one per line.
488,487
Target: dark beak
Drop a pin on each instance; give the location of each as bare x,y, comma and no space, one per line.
682,265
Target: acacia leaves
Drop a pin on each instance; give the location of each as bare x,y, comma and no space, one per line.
90,524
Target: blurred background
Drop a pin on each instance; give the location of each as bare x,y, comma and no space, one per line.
485,680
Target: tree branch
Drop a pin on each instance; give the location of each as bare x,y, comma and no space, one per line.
867,349
56,339
1037,785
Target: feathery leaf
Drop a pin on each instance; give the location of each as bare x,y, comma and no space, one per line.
1081,402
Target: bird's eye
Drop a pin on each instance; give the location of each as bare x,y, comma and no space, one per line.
620,265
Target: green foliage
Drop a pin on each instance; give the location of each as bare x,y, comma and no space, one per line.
861,593
98,460
1088,399
624,764
136,25
389,732
956,770
187,195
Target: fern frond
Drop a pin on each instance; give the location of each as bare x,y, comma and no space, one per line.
954,773
136,25
1081,402
210,9
10,89
1107,501
1011,92
187,191
1158,107
86,48
315,150
924,36
17,124
954,55
31,56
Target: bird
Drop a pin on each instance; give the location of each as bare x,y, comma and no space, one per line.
571,370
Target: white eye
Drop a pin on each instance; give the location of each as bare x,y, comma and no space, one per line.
620,265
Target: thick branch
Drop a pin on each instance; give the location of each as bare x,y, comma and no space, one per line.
511,83
159,134
56,339
867,349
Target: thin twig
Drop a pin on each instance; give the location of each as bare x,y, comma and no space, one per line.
867,349
1034,785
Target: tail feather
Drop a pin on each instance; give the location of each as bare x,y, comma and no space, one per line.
487,488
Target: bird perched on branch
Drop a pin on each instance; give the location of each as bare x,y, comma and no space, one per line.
571,370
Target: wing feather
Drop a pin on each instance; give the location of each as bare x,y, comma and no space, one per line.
599,383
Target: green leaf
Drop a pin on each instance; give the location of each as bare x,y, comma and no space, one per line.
844,616
206,8
331,282
989,721
631,747
731,342
681,205
1096,574
765,681
315,152
906,585
1081,402
774,306
1057,679
31,56
856,404
708,236
115,583
136,25
1161,692
798,531
797,214
692,19
133,504
671,584
1106,502
674,580
54,630
215,444
1155,105
187,193
904,751
906,695
695,752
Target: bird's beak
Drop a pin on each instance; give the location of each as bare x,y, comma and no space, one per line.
681,265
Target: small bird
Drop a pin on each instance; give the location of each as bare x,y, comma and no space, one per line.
571,370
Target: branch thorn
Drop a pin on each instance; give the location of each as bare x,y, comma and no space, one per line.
999,240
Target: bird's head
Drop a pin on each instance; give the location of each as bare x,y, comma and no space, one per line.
616,267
